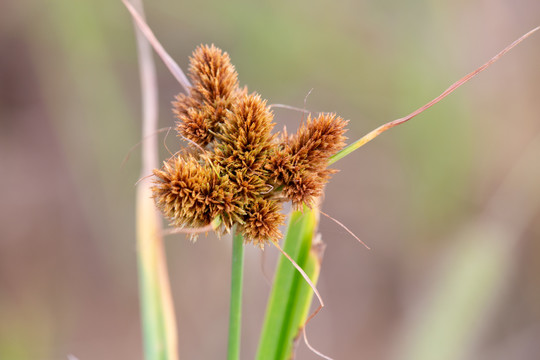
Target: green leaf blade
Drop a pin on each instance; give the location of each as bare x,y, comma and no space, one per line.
291,296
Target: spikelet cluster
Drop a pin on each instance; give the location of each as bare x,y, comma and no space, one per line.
214,92
239,171
299,165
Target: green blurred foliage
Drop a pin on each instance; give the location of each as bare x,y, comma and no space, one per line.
70,112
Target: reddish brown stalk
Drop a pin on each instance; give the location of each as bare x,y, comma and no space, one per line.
373,134
173,67
346,229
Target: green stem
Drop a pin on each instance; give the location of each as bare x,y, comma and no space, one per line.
235,314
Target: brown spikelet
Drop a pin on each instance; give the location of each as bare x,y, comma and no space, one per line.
261,221
214,92
245,139
191,194
212,74
307,187
247,185
300,164
317,140
196,119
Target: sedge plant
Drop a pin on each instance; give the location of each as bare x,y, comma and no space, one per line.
234,176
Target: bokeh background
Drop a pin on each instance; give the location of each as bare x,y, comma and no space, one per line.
449,202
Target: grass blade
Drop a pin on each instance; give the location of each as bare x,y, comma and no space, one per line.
291,296
153,324
157,312
374,133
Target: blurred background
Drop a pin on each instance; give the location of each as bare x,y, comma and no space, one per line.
449,202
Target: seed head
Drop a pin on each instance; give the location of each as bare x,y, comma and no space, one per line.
300,164
191,194
261,222
240,172
245,138
214,92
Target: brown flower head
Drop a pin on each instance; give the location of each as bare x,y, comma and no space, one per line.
300,164
240,172
191,194
245,141
212,74
263,216
214,92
